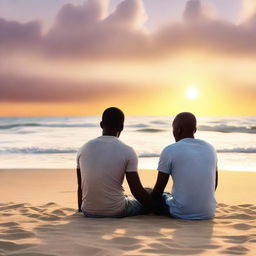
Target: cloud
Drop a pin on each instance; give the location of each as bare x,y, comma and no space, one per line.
82,15
193,10
248,10
87,31
128,14
18,88
18,36
200,32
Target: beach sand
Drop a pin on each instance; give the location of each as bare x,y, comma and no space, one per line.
38,217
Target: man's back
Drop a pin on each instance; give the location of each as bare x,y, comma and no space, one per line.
103,163
192,165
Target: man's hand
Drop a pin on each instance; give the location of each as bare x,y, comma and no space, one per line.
137,189
158,190
160,185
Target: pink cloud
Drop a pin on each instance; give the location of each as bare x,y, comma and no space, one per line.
40,89
193,10
16,35
85,31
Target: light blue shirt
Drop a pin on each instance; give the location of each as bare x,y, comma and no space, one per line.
192,164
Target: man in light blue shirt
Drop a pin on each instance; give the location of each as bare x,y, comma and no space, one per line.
192,163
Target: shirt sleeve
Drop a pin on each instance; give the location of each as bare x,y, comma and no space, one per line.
132,163
164,164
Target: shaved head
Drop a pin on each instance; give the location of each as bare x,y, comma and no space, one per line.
184,126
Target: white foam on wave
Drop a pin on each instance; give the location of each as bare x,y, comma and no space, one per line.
56,125
144,155
228,128
237,150
35,150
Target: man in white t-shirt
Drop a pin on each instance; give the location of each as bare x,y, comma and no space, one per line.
192,163
102,164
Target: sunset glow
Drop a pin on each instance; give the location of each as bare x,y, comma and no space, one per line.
90,57
192,93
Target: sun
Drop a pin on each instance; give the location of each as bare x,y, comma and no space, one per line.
192,93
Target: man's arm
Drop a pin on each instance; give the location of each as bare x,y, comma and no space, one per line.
137,189
79,190
216,180
163,176
162,179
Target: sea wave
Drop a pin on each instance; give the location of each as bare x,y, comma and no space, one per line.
136,125
225,150
159,122
228,128
57,125
145,155
152,127
237,150
35,150
150,130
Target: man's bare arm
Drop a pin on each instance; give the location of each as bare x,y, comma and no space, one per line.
79,190
137,189
160,185
216,180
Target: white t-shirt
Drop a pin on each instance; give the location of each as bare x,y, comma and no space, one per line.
103,162
192,164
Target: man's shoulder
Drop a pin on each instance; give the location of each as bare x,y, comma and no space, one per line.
87,144
90,142
183,145
126,147
97,141
192,141
205,143
124,144
170,148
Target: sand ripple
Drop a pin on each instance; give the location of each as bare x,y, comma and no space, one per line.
49,229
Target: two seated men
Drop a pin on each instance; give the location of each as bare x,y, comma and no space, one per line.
102,164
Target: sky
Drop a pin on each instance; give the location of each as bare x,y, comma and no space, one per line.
147,57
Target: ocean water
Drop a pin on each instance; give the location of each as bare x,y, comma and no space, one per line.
52,142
